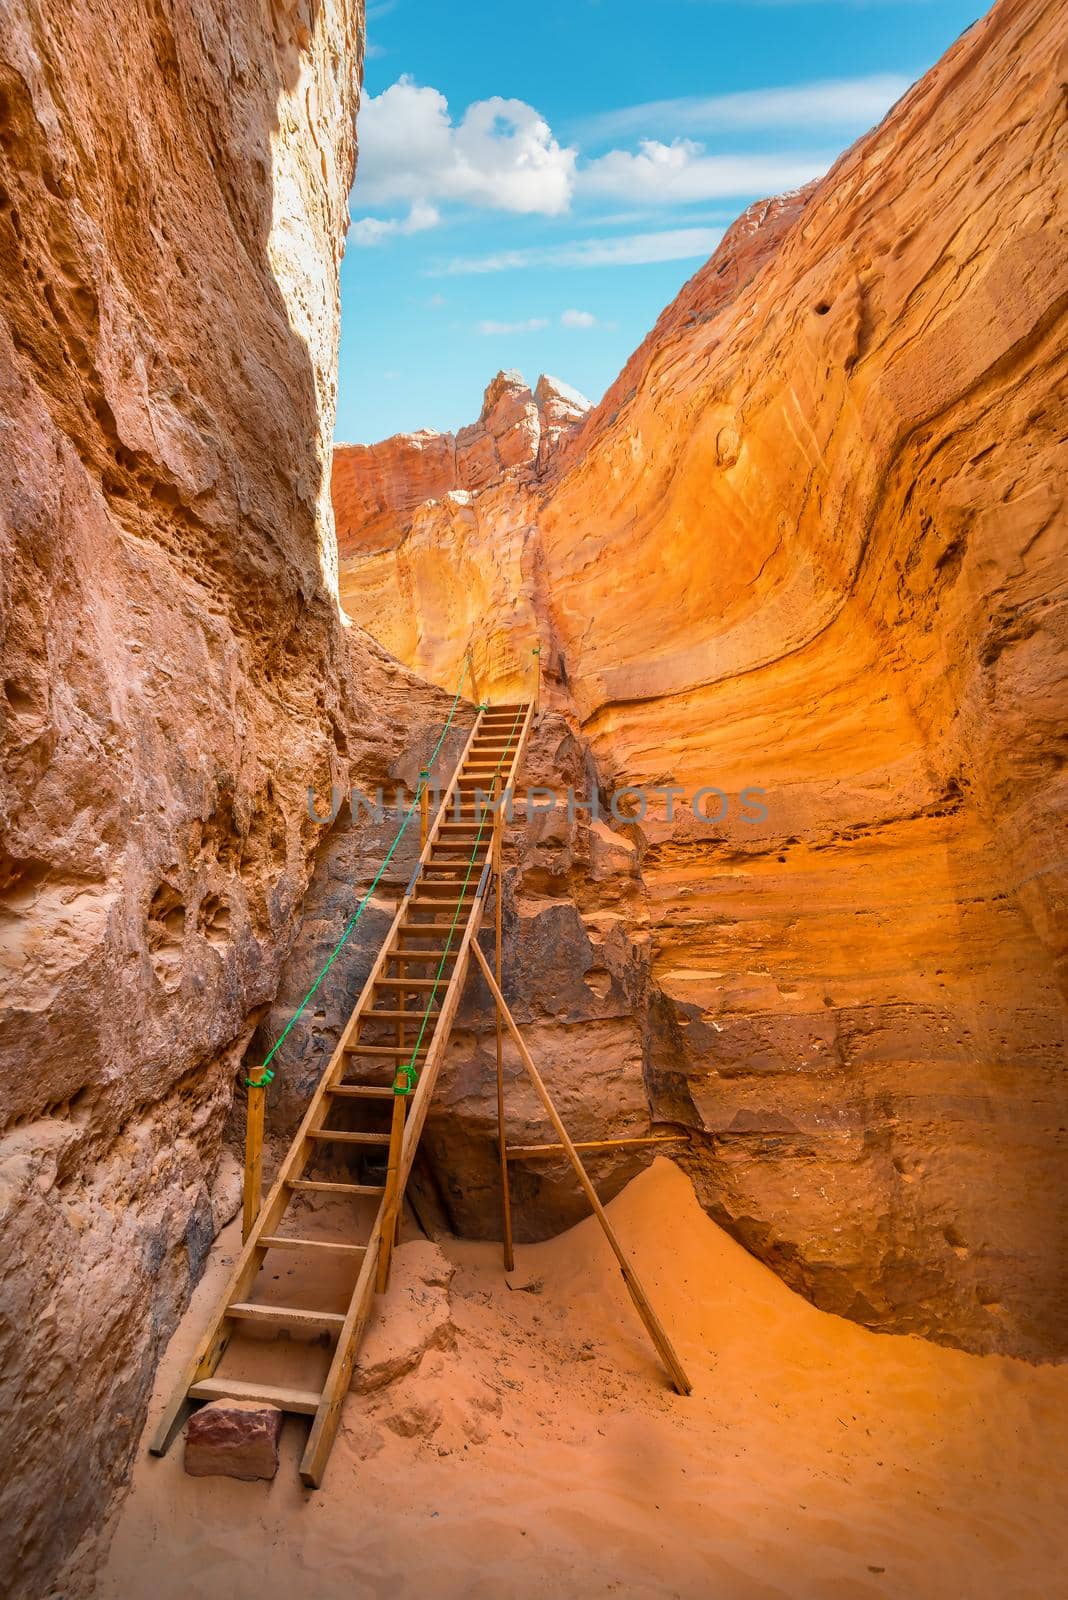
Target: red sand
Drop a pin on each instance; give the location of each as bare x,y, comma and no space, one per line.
543,1454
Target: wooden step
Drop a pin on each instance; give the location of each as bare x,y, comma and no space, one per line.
446,903
281,1241
393,1016
365,1091
432,910
406,983
344,1136
286,1316
416,955
323,1186
382,1051
303,1401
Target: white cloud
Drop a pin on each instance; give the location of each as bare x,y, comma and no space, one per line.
372,230
682,172
501,154
531,325
578,319
627,250
838,102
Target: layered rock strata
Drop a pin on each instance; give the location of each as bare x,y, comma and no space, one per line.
173,194
812,542
405,504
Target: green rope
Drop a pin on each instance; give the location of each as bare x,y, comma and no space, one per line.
267,1076
408,1072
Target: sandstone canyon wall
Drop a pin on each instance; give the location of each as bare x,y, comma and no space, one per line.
173,196
437,532
812,540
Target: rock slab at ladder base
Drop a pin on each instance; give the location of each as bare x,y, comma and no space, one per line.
233,1439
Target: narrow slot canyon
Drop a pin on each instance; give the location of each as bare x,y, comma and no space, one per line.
766,649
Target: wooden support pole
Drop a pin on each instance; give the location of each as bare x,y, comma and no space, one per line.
637,1293
391,1203
531,1152
257,1096
536,652
506,1199
424,808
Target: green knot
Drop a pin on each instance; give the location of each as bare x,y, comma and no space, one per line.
262,1082
410,1077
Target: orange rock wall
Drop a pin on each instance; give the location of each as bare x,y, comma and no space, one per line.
812,540
173,193
402,504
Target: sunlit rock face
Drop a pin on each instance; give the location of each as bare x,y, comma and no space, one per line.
173,192
437,531
812,542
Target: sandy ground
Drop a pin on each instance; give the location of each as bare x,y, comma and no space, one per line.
534,1448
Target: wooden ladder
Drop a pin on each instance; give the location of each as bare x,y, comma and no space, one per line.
424,957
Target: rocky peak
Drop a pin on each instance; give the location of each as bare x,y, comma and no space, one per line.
379,488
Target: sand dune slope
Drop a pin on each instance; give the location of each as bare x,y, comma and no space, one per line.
535,1449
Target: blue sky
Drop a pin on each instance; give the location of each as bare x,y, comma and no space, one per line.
537,182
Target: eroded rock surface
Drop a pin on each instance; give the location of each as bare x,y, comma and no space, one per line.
173,192
400,504
810,543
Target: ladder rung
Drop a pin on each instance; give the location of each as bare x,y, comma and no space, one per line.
392,1016
427,906
301,1400
406,983
364,1091
426,930
392,1050
286,1316
281,1241
343,1136
323,1186
304,1401
464,905
415,955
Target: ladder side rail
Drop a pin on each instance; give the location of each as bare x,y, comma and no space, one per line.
328,1416
212,1346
